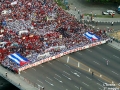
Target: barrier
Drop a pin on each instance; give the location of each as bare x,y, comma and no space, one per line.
61,54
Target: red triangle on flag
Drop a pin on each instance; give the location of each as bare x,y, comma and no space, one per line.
22,63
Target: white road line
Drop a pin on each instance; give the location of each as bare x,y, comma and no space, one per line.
100,89
85,83
89,50
24,71
106,59
79,53
98,47
49,83
58,80
50,63
66,72
77,71
115,73
116,56
113,47
100,81
77,87
57,75
49,78
41,65
67,65
75,74
99,85
96,62
33,69
88,78
40,81
66,77
58,60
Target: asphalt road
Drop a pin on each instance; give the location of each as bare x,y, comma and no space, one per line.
97,57
57,75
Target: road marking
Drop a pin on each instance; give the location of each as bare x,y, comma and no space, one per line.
85,83
49,78
50,63
67,65
33,69
40,81
49,83
79,53
41,65
57,75
66,77
77,87
77,71
98,47
113,47
99,84
24,71
58,60
89,50
96,62
75,74
66,72
115,73
115,56
106,59
88,78
100,89
58,80
100,81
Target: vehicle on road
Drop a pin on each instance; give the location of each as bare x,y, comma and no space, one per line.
118,10
108,12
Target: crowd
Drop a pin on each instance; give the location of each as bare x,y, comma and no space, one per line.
31,27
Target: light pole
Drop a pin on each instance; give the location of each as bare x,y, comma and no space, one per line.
80,88
39,87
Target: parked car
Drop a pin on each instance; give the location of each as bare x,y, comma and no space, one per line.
108,12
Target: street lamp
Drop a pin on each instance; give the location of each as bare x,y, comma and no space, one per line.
80,88
39,87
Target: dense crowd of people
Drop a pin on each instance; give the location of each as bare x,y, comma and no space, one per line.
35,27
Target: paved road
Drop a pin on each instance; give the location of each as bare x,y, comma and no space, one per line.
97,57
86,7
57,75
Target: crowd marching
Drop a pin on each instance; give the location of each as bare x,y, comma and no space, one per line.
36,27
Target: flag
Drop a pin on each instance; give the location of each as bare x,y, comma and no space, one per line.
17,58
91,36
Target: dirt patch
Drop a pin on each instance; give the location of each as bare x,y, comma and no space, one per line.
116,35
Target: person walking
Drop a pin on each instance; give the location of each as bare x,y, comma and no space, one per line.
6,74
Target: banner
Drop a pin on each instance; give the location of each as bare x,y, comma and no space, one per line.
60,55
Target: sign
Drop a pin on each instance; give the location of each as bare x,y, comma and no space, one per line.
61,54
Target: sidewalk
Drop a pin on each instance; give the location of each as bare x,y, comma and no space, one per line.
16,80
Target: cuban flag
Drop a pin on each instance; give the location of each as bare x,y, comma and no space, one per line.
91,36
17,58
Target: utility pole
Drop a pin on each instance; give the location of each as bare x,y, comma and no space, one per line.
80,88
39,87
